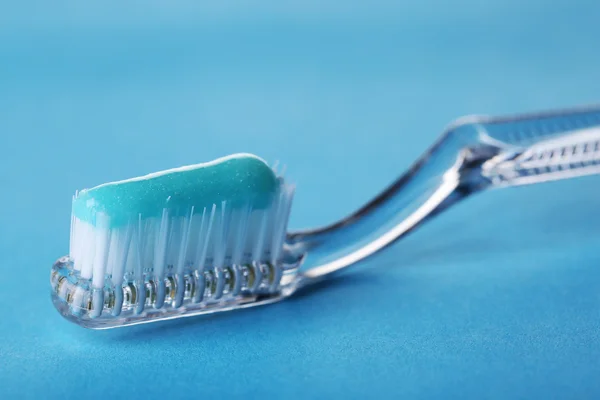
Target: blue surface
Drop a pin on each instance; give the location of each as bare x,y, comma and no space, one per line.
498,298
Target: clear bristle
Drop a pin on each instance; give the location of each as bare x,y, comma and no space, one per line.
207,255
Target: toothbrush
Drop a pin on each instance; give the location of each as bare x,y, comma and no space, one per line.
213,237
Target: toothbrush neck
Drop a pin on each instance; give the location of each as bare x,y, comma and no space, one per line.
432,185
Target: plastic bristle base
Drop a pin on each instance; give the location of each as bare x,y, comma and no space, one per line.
156,315
137,302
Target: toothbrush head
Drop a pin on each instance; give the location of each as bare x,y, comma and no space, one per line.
181,242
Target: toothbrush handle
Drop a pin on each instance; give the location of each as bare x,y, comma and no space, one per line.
540,148
474,153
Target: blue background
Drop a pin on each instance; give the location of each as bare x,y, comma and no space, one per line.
497,298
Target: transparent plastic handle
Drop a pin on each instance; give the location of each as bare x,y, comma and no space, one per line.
572,154
474,153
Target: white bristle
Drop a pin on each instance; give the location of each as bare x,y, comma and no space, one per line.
217,236
263,220
160,244
220,242
184,241
205,233
240,235
286,197
87,250
101,246
120,243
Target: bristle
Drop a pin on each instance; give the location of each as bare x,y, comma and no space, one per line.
262,226
209,246
103,240
184,241
205,233
286,198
